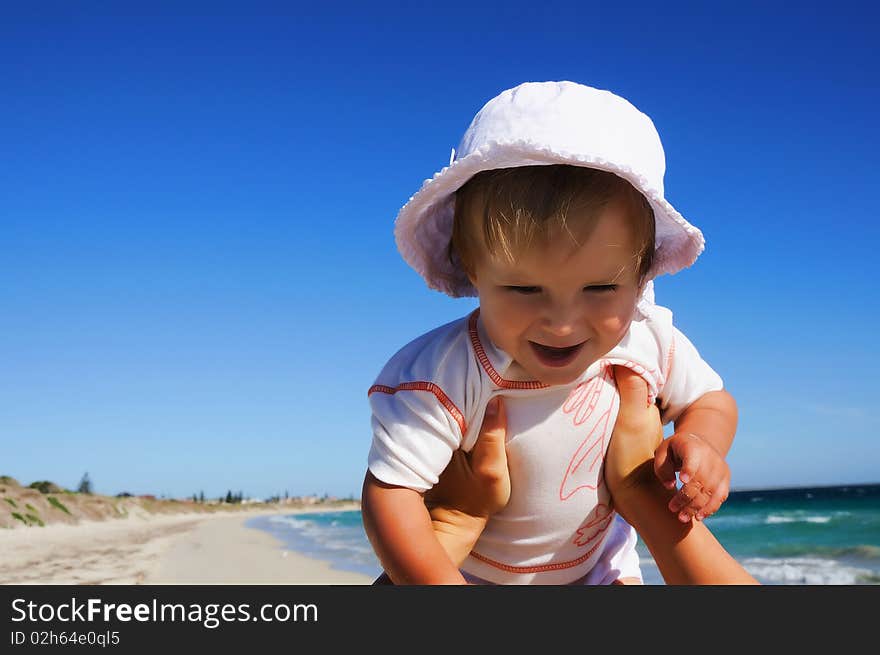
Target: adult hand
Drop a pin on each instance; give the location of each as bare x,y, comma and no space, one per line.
684,553
629,462
477,483
473,486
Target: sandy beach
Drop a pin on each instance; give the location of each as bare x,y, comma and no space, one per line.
163,549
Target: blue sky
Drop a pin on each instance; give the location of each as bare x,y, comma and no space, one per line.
200,280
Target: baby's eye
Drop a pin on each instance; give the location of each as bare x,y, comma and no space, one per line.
601,288
523,290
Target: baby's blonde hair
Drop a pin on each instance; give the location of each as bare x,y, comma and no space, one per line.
511,207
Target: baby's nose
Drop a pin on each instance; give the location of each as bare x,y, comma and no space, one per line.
560,329
560,321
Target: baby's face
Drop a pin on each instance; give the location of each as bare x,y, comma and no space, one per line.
560,307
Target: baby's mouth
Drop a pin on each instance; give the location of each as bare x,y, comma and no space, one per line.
550,356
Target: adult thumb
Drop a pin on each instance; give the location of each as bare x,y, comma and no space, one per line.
631,386
488,456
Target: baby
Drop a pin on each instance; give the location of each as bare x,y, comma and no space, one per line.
552,213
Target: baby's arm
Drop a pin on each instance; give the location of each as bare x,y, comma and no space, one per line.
703,435
400,531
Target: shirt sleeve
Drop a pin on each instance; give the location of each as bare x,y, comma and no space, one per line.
688,378
415,431
418,403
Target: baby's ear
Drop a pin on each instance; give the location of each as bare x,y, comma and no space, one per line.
456,261
469,271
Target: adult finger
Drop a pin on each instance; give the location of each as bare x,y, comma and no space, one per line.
488,457
631,386
637,432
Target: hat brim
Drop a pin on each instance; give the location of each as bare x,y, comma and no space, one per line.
423,228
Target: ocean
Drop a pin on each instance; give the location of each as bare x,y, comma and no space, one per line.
802,536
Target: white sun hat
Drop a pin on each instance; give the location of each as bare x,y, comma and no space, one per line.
543,123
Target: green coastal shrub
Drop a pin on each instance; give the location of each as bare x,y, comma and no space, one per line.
29,519
45,487
10,501
34,519
57,503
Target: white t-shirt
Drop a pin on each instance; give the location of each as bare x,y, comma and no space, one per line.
429,401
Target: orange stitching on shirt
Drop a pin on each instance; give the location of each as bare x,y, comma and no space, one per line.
425,386
545,567
487,365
